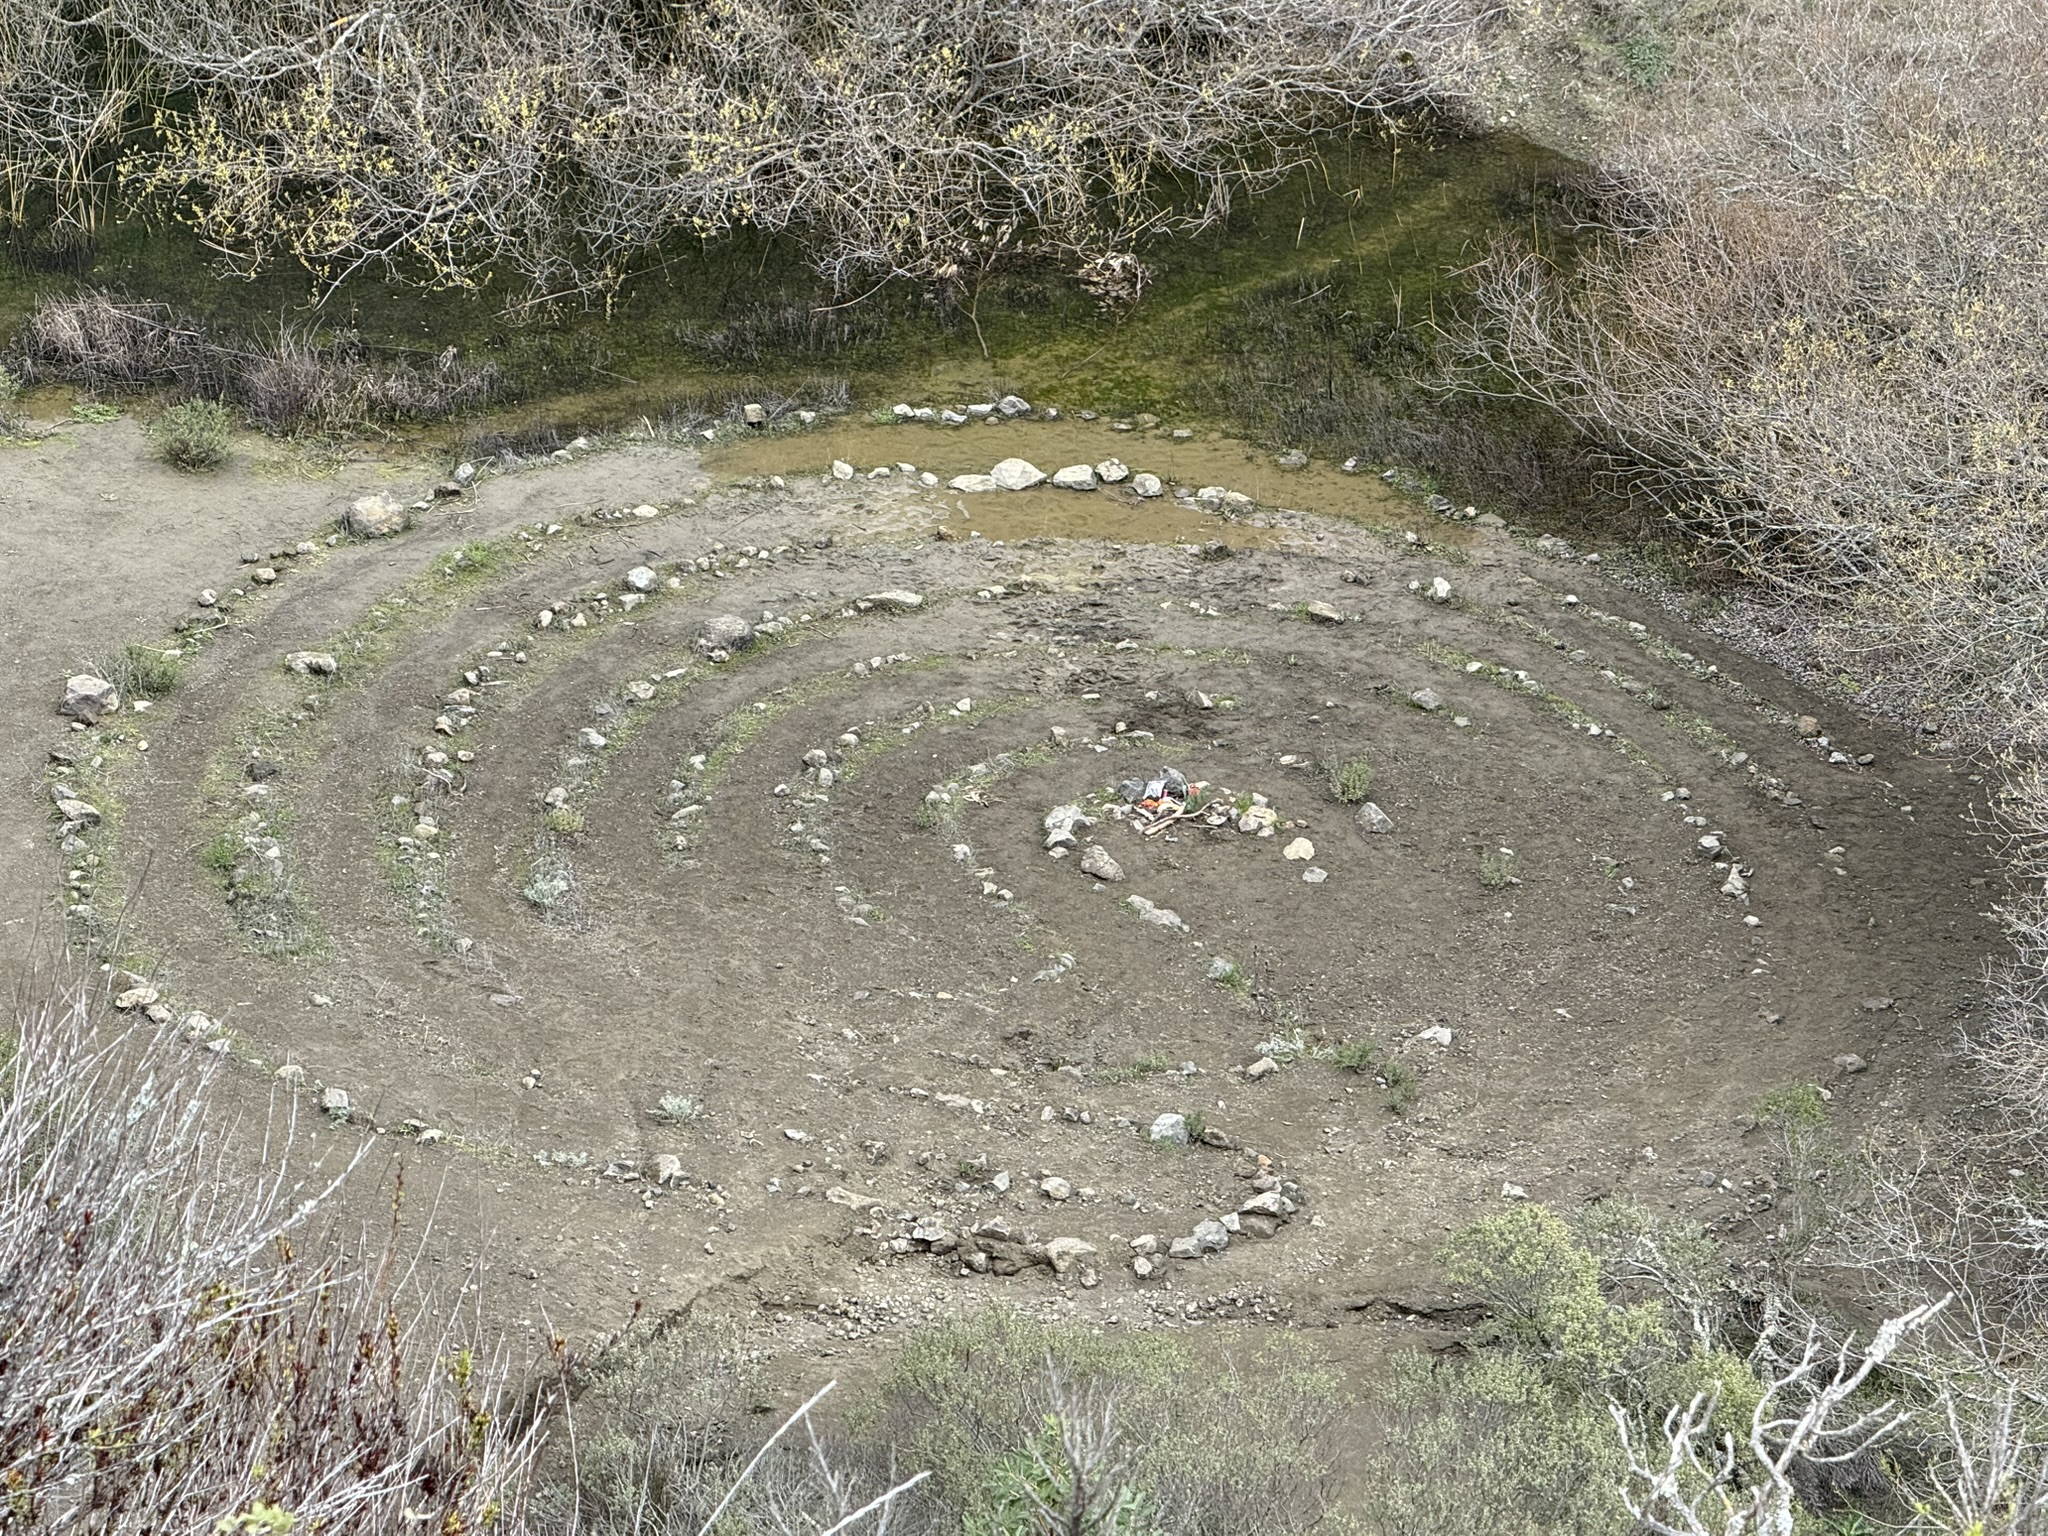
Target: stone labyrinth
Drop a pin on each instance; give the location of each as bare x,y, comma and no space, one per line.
731,884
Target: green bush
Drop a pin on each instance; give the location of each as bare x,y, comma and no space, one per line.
144,672
1351,780
193,434
1357,1055
1201,1431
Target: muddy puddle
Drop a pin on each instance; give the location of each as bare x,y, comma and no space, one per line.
1111,512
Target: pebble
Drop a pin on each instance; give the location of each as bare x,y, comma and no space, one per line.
1264,1067
1427,700
1055,1188
1323,613
1300,848
841,470
1314,876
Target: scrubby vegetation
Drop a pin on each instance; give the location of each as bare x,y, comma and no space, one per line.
285,382
193,434
554,143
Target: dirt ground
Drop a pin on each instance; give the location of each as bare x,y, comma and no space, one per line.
891,1010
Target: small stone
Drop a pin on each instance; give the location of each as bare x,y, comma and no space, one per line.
666,1169
136,997
1293,458
374,517
1263,1068
1055,1188
1014,405
1300,848
1143,1266
1075,477
1371,818
1427,700
313,663
334,1103
1323,613
1097,862
1184,1248
643,578
1017,474
1145,1243
841,470
1268,1202
1112,471
973,484
1436,1034
754,415
1063,1253
291,1073
1439,590
1513,1192
87,697
1170,1127
1147,485
1211,1236
1314,875
1849,1062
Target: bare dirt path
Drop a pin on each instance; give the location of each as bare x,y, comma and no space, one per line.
516,882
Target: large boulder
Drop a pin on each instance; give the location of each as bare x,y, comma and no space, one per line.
374,517
87,697
1017,474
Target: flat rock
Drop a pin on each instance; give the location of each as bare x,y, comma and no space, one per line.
1056,1188
897,600
973,483
374,517
87,697
1075,477
1427,700
1322,613
1371,818
1112,471
1097,862
1017,474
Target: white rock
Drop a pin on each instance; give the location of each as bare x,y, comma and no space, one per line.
1147,485
896,601
1112,471
313,663
1436,1034
643,578
1371,818
87,698
973,484
1075,477
1300,848
1055,1188
1014,405
1170,1127
1017,474
841,470
1264,1067
1439,590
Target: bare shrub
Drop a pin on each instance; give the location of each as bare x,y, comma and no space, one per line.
1814,337
286,382
99,341
185,1350
552,142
